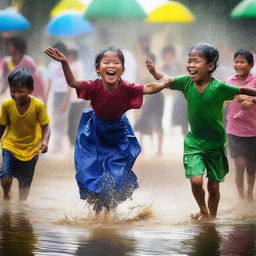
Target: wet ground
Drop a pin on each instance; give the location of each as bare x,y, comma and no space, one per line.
54,221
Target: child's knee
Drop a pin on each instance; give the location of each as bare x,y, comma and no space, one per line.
213,186
196,181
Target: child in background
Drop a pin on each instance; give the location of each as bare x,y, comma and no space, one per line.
74,105
106,147
57,87
25,121
204,144
170,66
150,120
16,49
241,124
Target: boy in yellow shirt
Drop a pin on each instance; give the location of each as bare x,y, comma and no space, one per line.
24,122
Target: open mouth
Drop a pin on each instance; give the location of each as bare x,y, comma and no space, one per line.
111,72
192,72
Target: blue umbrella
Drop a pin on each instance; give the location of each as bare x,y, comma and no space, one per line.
70,23
12,20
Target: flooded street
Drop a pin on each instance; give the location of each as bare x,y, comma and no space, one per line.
156,222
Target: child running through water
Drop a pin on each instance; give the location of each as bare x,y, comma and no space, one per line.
106,147
241,124
204,144
25,122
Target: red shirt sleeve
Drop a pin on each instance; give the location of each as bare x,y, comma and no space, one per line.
87,90
134,93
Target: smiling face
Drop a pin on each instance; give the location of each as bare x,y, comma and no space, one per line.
198,68
242,66
20,94
110,68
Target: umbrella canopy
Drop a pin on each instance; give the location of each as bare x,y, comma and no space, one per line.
69,23
150,5
245,9
115,9
171,12
65,5
12,20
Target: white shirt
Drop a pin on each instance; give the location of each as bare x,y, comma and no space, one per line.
56,77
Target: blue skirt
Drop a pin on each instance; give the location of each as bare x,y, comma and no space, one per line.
105,152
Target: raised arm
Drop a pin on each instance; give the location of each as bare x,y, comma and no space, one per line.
152,70
58,56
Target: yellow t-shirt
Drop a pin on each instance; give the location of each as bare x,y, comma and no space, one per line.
23,132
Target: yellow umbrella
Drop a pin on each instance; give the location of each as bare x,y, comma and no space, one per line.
171,12
65,5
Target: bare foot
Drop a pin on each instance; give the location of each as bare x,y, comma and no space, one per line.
199,216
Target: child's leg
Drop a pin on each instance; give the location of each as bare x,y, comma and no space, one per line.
6,185
23,194
199,195
25,173
213,187
239,169
250,168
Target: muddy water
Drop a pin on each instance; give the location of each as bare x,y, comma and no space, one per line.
156,222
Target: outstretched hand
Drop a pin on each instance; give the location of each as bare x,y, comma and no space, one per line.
150,65
167,82
55,54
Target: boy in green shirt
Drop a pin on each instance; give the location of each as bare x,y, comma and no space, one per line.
204,144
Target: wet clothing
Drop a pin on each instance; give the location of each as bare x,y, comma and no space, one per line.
244,147
105,150
178,117
240,122
214,161
23,131
204,112
22,170
111,105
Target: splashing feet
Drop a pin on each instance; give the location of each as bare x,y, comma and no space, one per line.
200,216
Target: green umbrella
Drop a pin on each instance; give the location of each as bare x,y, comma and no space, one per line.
245,9
114,9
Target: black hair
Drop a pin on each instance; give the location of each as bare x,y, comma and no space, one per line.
61,47
209,52
101,53
246,54
73,53
21,77
18,43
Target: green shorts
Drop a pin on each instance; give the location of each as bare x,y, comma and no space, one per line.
214,161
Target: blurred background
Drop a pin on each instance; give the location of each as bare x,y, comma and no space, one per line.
162,29
54,221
